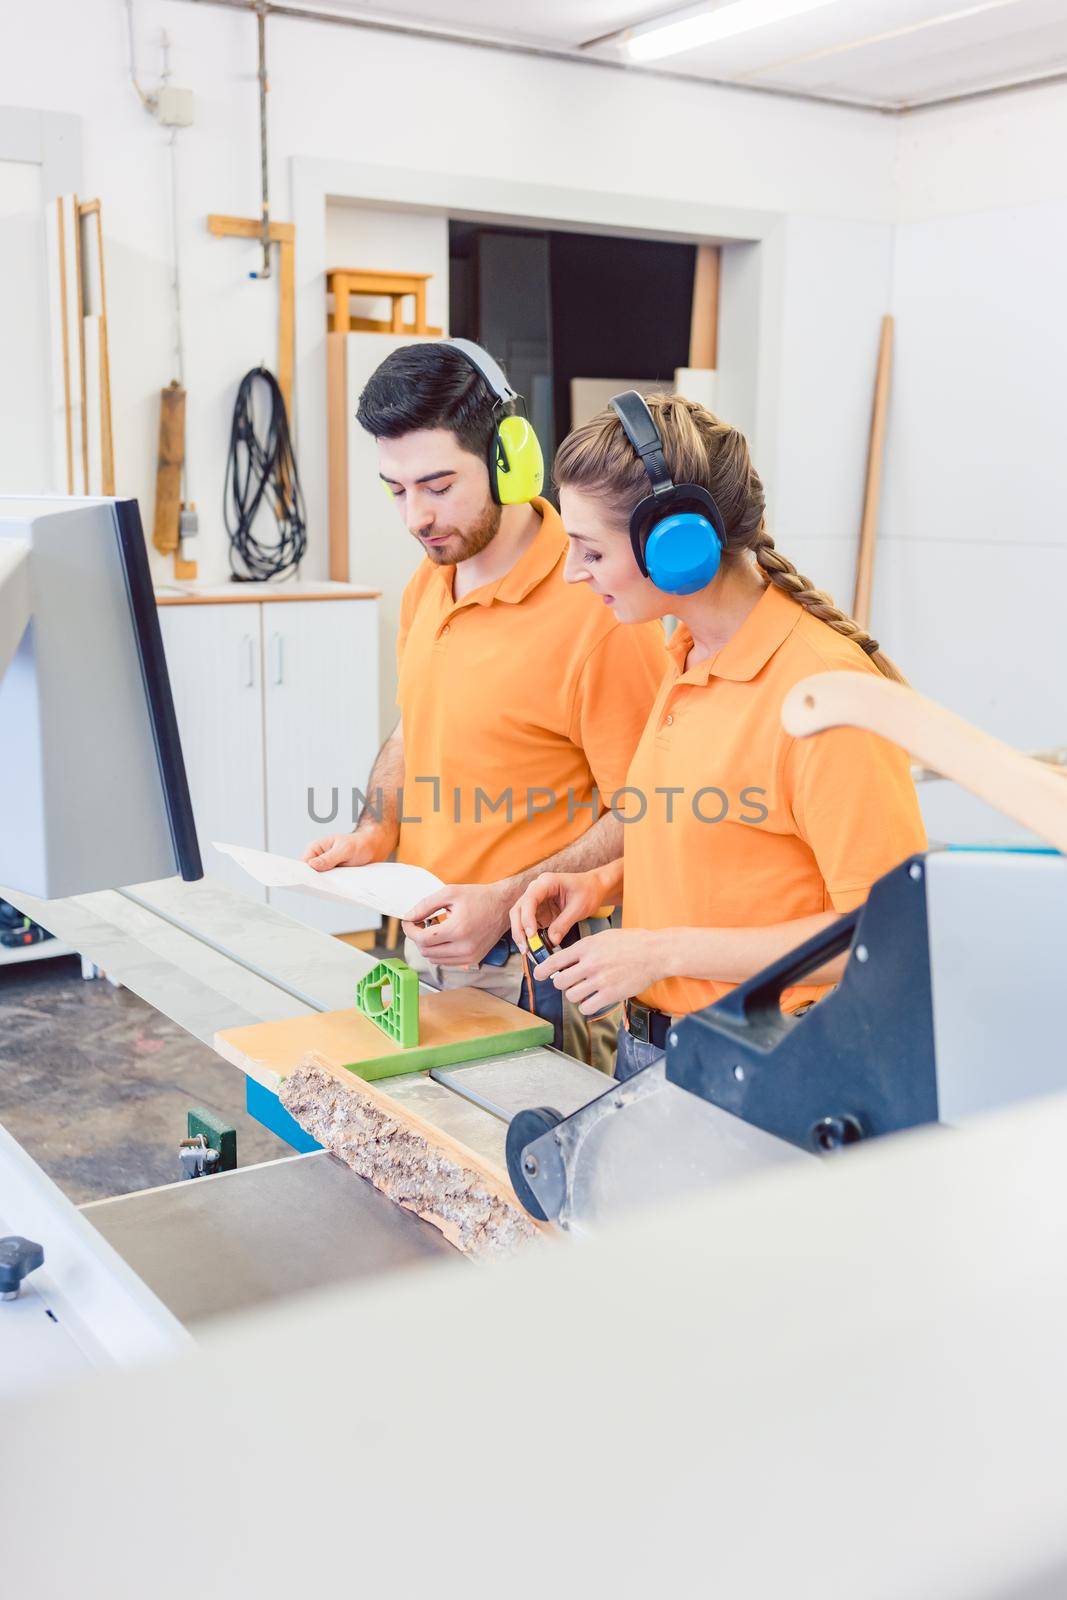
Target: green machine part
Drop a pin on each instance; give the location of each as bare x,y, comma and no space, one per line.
398,1014
218,1135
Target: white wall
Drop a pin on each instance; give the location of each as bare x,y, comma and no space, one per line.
338,93
838,277
25,448
972,556
983,155
954,219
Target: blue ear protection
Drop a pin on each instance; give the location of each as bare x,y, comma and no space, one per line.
677,532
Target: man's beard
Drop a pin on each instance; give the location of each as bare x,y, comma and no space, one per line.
472,540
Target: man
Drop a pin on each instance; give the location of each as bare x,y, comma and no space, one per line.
521,699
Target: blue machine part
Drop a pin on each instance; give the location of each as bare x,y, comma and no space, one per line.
268,1109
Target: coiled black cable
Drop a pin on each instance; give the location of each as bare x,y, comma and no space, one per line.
258,472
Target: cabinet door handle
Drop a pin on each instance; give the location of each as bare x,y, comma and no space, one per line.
248,655
277,645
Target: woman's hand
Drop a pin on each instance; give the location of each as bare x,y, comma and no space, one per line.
555,901
605,968
357,849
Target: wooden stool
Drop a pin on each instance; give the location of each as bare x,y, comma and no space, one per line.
392,286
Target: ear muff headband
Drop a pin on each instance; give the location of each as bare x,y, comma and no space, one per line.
516,463
677,532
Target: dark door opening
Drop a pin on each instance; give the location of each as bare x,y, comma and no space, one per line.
558,307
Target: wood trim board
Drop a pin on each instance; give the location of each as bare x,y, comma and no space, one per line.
337,453
252,594
872,490
704,320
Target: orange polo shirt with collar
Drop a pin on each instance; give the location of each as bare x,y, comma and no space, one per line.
761,827
522,704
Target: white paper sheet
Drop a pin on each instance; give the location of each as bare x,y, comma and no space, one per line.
389,887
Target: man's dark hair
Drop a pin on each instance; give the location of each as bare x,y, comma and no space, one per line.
429,386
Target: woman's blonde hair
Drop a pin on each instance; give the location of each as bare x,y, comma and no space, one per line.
599,460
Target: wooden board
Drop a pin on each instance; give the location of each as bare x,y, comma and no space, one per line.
98,427
337,452
375,325
64,240
872,490
94,435
456,1025
170,456
704,322
407,1157
263,594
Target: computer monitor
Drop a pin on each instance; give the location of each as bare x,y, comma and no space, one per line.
93,791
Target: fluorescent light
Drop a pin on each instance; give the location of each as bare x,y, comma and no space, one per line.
688,30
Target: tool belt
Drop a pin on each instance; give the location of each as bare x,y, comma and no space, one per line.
647,1025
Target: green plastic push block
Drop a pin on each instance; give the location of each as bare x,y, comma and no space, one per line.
425,1057
389,996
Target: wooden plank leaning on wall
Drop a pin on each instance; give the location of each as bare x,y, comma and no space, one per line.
872,493
81,381
337,453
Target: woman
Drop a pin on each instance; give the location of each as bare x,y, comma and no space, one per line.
740,842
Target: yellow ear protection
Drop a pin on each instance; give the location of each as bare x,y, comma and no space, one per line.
677,532
516,464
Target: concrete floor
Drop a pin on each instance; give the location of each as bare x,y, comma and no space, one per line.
96,1085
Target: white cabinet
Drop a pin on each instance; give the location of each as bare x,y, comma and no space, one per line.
213,657
277,705
321,723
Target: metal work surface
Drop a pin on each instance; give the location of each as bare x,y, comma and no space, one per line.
503,1085
206,956
212,959
83,1306
218,1245
480,1130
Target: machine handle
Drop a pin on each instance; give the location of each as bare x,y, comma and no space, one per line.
758,1001
277,646
1021,788
18,1258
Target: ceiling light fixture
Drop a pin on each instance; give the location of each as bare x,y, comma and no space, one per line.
689,29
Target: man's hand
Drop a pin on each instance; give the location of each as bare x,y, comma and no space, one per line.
556,901
607,967
476,915
357,849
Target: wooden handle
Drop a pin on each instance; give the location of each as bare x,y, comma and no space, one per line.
165,528
1021,788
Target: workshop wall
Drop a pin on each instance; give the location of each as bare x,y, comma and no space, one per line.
953,219
972,556
342,93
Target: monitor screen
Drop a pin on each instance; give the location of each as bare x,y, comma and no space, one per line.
95,794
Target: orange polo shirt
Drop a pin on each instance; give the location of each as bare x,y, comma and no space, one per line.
767,828
520,700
